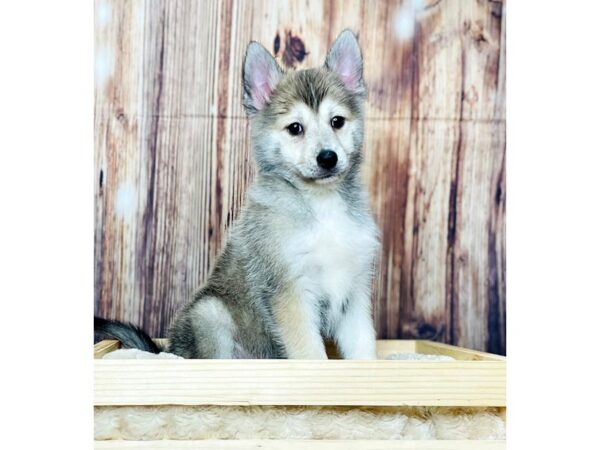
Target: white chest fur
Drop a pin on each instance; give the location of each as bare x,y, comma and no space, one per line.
331,255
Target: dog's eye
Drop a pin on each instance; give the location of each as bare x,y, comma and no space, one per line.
295,129
338,122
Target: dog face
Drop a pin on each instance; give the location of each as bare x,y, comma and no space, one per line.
307,125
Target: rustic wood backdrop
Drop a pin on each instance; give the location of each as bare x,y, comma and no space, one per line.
172,151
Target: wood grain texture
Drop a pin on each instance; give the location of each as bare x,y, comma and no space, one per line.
274,444
462,354
299,382
385,347
106,346
173,162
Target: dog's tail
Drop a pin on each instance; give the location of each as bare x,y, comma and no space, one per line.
129,335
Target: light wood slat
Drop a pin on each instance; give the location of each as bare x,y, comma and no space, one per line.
104,347
438,348
301,444
385,347
296,382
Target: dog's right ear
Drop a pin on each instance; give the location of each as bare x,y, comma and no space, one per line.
260,75
345,60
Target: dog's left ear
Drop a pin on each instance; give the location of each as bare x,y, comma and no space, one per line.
345,60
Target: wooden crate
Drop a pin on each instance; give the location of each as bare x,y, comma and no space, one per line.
474,379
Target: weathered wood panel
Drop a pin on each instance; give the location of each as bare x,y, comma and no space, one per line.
173,160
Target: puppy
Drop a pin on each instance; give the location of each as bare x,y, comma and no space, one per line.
298,264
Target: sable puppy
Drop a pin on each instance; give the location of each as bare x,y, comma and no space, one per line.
298,264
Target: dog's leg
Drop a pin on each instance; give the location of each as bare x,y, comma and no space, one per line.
299,325
355,334
205,331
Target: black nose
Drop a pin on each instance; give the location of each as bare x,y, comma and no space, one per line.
327,159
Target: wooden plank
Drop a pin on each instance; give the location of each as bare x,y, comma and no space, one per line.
274,444
476,267
422,302
297,382
475,288
384,347
389,141
104,347
463,354
157,229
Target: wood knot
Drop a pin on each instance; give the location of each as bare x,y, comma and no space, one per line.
428,331
294,51
477,32
423,330
121,117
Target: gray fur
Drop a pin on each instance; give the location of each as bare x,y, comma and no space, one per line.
232,315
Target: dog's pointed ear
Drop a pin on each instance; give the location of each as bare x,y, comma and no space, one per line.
260,75
345,60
